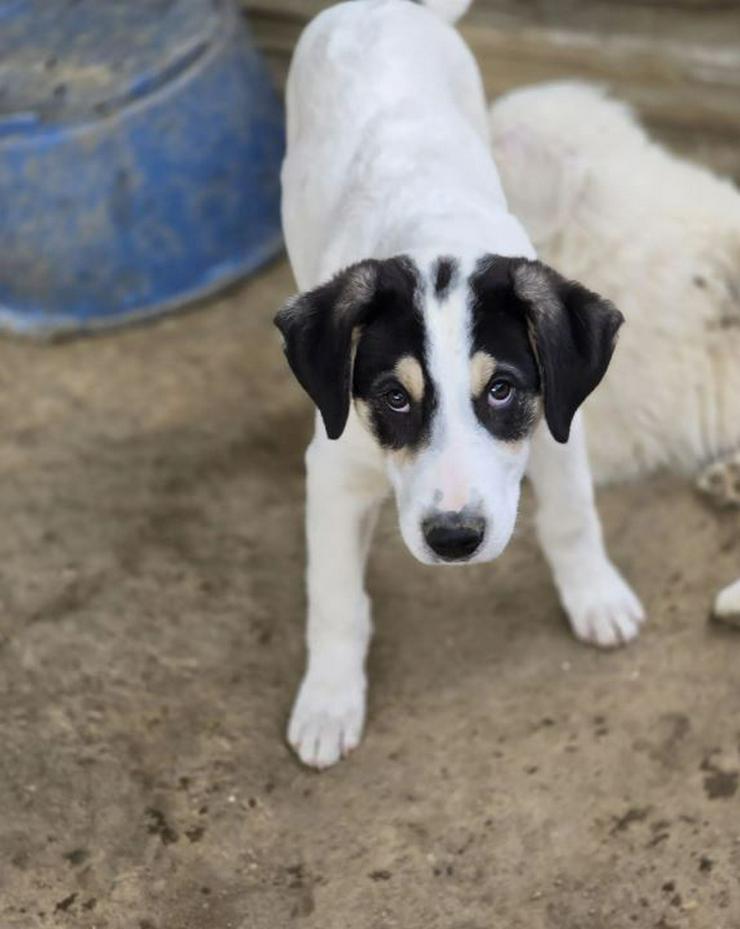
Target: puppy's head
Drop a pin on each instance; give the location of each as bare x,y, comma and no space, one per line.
449,369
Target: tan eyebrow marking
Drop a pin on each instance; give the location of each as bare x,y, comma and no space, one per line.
409,373
482,367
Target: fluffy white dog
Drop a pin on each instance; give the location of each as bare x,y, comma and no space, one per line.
659,236
443,359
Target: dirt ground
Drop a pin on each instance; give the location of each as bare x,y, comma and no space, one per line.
151,641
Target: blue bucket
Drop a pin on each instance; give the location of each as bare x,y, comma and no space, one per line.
140,149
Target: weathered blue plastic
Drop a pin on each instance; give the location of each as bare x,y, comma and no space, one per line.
140,147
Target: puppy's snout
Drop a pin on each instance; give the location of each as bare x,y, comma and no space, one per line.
454,536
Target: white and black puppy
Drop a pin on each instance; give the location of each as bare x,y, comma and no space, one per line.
443,359
660,235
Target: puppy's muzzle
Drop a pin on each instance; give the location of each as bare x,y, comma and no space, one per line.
454,536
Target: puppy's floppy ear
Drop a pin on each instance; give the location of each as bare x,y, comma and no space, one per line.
318,327
573,333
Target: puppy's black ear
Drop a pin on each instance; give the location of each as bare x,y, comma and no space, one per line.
318,327
573,333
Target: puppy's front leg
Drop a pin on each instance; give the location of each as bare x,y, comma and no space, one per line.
343,495
601,607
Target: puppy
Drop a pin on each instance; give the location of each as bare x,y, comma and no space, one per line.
444,360
660,236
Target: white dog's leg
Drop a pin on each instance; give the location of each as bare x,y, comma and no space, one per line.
601,607
720,481
727,604
341,509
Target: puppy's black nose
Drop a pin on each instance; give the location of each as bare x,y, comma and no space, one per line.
454,536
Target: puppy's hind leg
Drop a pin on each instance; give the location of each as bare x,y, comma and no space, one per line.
343,496
602,608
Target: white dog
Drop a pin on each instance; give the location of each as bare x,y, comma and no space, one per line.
661,237
438,351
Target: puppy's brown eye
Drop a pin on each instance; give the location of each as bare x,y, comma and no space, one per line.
397,400
500,393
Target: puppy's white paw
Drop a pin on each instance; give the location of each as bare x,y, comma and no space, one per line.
602,608
727,604
327,719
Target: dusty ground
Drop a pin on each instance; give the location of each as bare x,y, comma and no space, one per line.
151,640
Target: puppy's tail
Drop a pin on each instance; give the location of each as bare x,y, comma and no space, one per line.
451,10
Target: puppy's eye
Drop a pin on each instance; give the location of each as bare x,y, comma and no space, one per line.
500,393
397,399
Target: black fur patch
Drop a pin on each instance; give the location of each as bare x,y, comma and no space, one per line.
500,329
395,333
445,275
318,328
571,331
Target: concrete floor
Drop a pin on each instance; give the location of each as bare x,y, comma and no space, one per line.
151,641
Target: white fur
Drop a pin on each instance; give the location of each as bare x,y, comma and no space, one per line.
727,604
376,89
658,236
451,10
388,153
